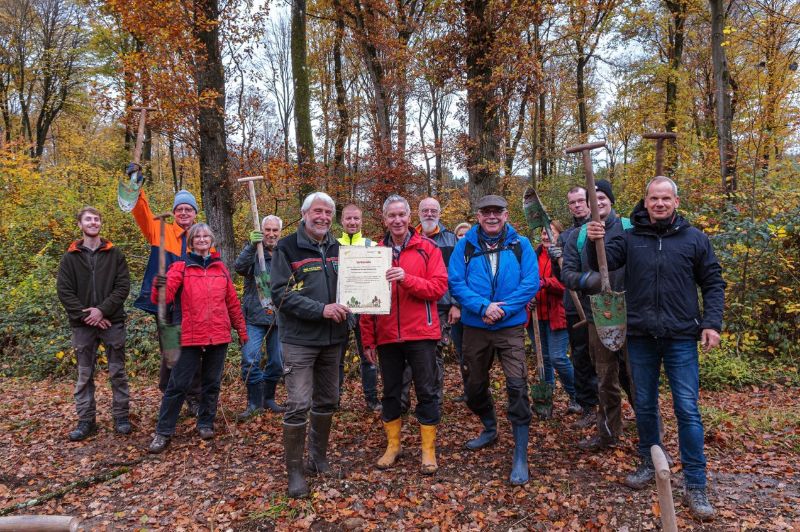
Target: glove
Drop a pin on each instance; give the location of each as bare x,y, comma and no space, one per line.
256,237
134,172
555,252
159,281
243,339
590,282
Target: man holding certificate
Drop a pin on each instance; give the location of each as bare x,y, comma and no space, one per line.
408,335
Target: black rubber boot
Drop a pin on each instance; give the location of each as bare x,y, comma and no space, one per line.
83,430
255,401
294,444
489,434
269,398
318,436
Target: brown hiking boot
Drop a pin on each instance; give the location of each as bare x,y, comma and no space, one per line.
587,419
596,443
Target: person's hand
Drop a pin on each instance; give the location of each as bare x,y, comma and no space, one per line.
709,339
94,317
104,324
494,312
134,171
395,273
454,315
243,339
335,312
595,231
591,282
530,305
159,281
555,252
371,355
256,237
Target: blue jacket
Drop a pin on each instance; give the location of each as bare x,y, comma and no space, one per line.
664,266
474,287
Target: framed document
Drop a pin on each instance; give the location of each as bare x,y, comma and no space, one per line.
363,287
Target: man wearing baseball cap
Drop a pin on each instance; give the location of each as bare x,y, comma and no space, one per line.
493,274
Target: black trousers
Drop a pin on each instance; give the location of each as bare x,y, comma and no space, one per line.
585,375
420,355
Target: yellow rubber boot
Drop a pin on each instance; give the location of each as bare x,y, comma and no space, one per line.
429,466
392,429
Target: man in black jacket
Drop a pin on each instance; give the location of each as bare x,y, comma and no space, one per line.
261,322
609,365
312,328
665,260
93,283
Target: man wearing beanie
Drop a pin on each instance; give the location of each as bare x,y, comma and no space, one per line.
184,212
609,365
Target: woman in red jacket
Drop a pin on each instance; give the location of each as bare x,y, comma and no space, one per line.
553,321
409,334
208,304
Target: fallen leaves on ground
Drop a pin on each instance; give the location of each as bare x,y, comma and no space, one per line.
237,481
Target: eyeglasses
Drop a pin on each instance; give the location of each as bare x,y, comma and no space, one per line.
429,211
491,211
184,210
576,202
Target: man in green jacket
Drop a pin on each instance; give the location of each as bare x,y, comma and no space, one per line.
93,282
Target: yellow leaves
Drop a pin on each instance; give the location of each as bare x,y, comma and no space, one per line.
778,232
60,355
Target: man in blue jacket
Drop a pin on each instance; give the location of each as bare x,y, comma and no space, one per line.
493,274
666,259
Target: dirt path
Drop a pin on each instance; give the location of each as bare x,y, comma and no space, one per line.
237,481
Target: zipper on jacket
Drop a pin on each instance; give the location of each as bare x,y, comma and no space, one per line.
397,299
658,282
327,287
428,312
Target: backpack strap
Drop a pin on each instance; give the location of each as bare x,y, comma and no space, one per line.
626,224
469,251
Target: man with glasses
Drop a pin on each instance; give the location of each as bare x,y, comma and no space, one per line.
184,211
494,276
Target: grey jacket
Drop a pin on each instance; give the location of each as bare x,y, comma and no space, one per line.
247,266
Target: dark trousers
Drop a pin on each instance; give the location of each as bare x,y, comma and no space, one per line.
440,345
585,376
612,378
85,341
210,361
311,375
420,356
193,393
480,346
369,372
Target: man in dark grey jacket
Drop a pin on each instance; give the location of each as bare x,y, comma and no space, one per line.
609,365
261,322
666,260
312,327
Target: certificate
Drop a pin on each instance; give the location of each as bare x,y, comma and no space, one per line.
363,287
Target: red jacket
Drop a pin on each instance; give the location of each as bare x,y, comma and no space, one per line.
208,301
550,298
414,315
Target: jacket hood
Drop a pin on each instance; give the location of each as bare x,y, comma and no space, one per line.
74,247
642,224
511,235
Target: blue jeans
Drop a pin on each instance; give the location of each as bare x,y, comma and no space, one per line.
681,366
251,354
369,372
211,361
554,355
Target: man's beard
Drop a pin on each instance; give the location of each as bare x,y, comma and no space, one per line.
428,226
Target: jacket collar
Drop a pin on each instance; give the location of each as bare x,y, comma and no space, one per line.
642,224
305,241
75,247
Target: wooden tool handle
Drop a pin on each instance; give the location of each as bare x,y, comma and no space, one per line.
600,245
586,147
137,151
162,265
256,223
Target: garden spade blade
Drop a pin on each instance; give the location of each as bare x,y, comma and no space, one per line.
610,316
541,392
610,313
170,334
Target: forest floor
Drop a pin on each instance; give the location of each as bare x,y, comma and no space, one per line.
237,481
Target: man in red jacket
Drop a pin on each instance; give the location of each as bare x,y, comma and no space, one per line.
408,335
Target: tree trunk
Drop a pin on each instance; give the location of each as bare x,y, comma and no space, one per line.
724,106
677,9
343,127
483,149
302,97
580,94
210,79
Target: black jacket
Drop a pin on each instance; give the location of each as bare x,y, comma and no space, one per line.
97,278
247,266
664,266
575,266
304,277
563,238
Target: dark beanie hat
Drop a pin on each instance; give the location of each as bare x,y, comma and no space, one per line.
605,187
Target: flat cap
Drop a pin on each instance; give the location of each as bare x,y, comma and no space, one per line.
491,200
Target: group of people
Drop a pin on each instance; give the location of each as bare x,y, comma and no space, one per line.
476,287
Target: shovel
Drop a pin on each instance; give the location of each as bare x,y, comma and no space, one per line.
660,138
537,217
263,278
170,334
608,308
541,392
128,190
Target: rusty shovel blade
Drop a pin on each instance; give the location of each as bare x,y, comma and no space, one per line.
610,318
